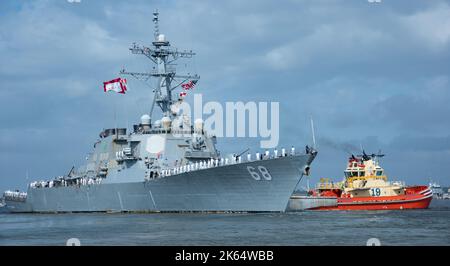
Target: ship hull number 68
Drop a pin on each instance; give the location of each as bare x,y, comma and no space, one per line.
259,172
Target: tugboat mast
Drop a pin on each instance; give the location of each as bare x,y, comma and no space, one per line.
163,56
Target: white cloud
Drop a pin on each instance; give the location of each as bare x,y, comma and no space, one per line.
46,39
431,26
252,25
327,43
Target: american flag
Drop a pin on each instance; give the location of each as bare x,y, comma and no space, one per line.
189,85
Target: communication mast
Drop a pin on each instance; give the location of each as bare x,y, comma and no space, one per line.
163,56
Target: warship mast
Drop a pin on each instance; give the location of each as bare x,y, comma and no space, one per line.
163,56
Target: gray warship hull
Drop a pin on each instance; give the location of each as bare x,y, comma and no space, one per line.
3,208
302,203
228,188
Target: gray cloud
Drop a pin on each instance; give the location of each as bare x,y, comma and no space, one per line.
422,144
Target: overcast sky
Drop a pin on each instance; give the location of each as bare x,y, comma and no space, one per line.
370,74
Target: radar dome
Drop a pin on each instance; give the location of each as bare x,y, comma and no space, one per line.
198,124
145,119
165,121
161,38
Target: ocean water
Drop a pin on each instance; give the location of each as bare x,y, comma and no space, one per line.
407,227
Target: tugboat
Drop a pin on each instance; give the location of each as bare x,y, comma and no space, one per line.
366,187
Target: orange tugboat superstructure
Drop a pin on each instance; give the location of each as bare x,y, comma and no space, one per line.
365,187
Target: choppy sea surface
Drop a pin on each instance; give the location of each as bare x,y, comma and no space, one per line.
407,227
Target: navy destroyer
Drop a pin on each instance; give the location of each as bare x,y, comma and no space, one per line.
163,166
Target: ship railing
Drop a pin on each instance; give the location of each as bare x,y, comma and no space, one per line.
181,132
397,183
217,162
354,178
169,69
327,186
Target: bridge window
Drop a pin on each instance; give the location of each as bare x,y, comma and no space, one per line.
379,173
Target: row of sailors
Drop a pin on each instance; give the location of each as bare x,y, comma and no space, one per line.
14,195
223,161
39,184
42,184
88,181
65,183
267,154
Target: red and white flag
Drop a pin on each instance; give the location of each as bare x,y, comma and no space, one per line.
183,94
118,85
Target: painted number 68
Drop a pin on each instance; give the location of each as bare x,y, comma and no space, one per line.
262,172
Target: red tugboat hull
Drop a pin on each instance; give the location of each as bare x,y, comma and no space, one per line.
415,198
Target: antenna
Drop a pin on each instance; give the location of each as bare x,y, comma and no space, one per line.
313,133
155,20
162,55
